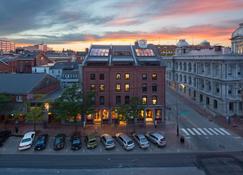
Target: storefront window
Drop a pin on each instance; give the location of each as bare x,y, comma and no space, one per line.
158,113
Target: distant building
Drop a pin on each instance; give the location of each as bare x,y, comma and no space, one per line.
166,50
116,73
6,46
38,47
212,76
237,40
28,87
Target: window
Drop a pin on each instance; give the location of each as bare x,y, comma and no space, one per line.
102,87
127,87
154,100
127,76
144,87
144,76
99,52
19,99
154,76
118,76
154,87
127,99
207,101
145,52
215,104
102,76
144,100
92,87
231,106
118,87
92,76
201,98
102,100
118,100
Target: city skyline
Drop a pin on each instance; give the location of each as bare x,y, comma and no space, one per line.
77,24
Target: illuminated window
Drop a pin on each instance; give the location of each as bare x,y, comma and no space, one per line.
99,52
127,76
92,87
154,76
154,100
102,87
127,87
118,76
92,76
144,100
144,76
118,87
145,52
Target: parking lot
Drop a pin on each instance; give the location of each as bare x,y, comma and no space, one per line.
11,145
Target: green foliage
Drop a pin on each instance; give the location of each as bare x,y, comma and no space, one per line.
130,111
34,115
73,102
5,103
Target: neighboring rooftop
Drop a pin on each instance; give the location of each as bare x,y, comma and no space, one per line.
20,83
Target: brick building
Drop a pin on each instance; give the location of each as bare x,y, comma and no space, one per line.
117,73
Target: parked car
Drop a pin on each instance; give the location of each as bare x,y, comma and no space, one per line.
41,142
107,141
141,140
4,135
91,141
27,141
156,138
76,142
125,141
59,142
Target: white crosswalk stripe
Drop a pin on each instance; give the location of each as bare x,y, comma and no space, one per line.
196,131
205,131
211,129
219,131
188,129
185,131
226,132
201,130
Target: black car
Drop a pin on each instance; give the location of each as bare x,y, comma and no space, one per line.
4,135
59,142
75,142
41,142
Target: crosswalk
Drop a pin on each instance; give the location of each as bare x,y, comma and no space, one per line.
205,131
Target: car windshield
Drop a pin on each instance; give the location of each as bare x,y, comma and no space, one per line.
130,142
26,140
58,140
143,140
76,141
92,140
40,141
109,142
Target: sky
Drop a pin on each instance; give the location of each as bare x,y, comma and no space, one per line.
76,24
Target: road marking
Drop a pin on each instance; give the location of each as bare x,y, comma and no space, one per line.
185,131
213,131
198,133
200,129
188,129
226,132
219,131
206,130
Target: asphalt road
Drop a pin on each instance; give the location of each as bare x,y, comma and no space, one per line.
200,133
211,163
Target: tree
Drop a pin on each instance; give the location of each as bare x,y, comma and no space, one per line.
34,115
73,102
128,112
5,101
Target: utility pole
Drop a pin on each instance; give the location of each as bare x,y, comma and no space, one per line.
177,115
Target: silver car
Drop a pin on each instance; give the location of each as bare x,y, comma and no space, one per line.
141,140
156,138
125,141
107,141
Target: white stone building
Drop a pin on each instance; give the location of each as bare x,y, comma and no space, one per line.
212,77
